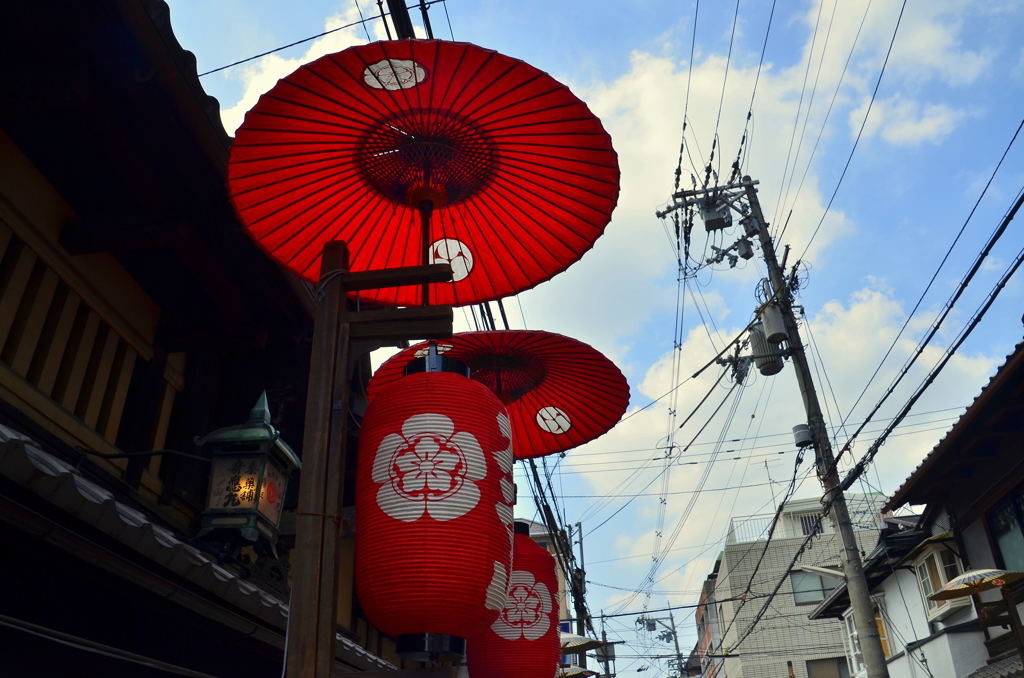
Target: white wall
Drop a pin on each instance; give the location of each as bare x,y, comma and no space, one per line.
951,655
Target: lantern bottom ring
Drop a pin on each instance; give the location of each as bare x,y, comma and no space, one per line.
423,647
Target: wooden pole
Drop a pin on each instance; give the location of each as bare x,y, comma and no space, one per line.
312,624
426,208
1015,626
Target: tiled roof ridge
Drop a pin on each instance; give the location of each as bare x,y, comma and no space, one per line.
23,461
160,13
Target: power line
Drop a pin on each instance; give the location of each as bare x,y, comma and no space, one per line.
686,99
362,20
660,558
966,332
799,106
93,647
828,113
786,434
318,35
924,342
713,414
810,105
679,459
592,509
863,123
750,110
721,101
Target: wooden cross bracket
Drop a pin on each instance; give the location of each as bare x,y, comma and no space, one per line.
419,322
396,277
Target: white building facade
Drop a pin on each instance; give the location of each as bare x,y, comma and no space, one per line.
751,568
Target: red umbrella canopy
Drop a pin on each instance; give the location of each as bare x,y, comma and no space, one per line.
559,392
425,151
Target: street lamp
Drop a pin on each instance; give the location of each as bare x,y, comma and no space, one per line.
248,479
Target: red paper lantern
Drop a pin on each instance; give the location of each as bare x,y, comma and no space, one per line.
434,507
524,641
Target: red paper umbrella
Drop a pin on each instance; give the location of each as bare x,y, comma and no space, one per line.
560,392
425,151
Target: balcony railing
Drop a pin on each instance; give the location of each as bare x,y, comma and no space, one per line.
744,529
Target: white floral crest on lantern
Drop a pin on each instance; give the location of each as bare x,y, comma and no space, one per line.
428,468
506,458
494,597
526,609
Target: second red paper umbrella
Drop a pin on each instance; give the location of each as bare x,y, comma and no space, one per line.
560,392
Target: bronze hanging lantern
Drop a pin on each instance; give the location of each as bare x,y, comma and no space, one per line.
248,478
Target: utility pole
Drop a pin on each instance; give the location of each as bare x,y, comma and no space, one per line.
579,589
675,639
607,659
724,199
400,20
670,630
853,568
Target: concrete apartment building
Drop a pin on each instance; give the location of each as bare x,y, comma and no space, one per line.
709,629
784,633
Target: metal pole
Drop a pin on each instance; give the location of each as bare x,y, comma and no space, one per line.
604,639
426,19
853,568
580,592
675,639
400,19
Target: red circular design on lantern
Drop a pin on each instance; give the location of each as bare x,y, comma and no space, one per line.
434,507
523,641
271,492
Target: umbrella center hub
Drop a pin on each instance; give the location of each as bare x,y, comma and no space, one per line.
426,155
509,377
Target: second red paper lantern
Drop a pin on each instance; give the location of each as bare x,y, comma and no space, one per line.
523,642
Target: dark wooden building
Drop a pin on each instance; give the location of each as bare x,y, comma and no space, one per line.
135,316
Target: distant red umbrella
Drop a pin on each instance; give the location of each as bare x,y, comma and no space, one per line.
559,392
425,151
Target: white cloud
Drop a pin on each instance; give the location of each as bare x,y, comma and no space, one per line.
261,75
929,46
903,122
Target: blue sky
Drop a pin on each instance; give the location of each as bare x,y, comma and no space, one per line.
948,104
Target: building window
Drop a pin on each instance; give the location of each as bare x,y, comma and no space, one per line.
854,655
810,524
1005,523
933,570
826,668
811,588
